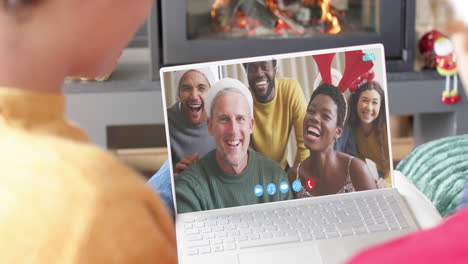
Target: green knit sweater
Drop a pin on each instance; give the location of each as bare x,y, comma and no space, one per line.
204,186
439,169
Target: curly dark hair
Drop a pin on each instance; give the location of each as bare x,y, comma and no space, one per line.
337,96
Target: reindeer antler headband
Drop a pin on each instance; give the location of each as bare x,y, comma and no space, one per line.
356,70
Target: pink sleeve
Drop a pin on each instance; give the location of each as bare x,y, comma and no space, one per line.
446,243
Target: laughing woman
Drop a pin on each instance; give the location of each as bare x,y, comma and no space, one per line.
366,135
327,171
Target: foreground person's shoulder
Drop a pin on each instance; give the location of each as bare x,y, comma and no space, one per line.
70,202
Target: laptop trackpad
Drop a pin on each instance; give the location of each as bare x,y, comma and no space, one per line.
298,254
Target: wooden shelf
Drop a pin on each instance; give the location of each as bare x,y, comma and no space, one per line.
401,147
143,159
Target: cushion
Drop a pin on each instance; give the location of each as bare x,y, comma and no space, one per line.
437,168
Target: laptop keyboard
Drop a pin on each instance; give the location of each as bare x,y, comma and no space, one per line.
337,216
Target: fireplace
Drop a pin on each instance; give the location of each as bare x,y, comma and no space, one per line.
273,19
206,30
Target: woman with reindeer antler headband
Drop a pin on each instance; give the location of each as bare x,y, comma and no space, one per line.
327,171
365,133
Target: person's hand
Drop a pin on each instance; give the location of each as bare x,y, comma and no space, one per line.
381,183
185,162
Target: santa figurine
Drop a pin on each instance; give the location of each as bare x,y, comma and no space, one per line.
426,48
446,65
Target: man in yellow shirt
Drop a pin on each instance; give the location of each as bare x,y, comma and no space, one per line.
279,105
63,200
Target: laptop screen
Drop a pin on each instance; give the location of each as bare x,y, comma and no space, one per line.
280,127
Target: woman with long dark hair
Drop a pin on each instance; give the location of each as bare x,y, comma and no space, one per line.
366,136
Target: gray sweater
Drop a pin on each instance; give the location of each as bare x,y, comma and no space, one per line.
186,139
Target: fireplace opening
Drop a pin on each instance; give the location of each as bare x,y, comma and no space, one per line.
241,19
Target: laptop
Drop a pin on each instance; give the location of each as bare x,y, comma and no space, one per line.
318,229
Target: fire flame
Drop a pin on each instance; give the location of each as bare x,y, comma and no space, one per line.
273,5
328,17
330,21
216,5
